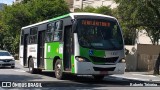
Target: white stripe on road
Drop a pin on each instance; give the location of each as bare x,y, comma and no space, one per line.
144,75
132,78
19,70
141,79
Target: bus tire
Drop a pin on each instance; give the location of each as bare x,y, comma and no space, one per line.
39,71
32,70
98,77
59,70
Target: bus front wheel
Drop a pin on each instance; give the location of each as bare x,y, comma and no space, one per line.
32,70
58,69
98,77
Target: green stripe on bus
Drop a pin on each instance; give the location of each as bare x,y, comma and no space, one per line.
84,52
72,64
58,17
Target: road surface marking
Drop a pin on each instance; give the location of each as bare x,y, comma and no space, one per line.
132,78
19,70
144,75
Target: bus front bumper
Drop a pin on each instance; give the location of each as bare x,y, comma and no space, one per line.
87,68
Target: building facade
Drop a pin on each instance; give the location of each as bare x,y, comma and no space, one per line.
2,6
70,4
17,1
95,3
75,4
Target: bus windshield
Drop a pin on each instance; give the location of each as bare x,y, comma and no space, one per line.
99,34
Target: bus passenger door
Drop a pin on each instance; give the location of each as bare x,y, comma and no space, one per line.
40,53
67,48
25,50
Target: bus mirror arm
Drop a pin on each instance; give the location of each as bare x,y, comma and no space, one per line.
74,25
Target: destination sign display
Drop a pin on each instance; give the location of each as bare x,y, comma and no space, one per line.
95,23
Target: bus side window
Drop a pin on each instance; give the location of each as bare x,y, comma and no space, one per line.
33,35
22,37
49,33
58,27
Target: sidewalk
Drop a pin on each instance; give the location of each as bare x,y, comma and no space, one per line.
144,76
145,73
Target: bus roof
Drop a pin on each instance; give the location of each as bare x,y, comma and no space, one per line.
94,14
70,14
46,21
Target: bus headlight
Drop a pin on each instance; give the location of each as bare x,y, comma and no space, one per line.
122,61
81,59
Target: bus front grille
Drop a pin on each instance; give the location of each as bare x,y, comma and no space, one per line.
104,60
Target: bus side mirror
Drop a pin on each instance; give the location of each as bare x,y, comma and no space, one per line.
126,51
74,25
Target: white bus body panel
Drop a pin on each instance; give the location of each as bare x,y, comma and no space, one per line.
87,67
32,51
21,54
45,50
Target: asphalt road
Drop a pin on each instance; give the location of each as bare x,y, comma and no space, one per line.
20,78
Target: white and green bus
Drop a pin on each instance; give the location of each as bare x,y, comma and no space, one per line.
76,43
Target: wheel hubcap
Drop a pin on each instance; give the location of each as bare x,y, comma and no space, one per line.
58,71
30,68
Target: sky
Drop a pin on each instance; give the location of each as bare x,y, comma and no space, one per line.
9,2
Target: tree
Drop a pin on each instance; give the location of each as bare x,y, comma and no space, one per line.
127,28
101,10
26,1
157,64
16,16
141,14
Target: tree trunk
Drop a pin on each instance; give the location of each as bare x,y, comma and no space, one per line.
157,64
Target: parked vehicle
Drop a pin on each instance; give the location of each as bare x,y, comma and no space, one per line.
6,59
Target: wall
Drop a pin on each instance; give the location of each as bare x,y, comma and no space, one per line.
146,56
141,57
131,60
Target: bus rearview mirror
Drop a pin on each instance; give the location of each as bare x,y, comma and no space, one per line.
74,24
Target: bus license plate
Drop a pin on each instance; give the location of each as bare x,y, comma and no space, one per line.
103,72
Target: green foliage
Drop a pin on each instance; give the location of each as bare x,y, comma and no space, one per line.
104,10
101,10
26,1
140,14
16,16
125,22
